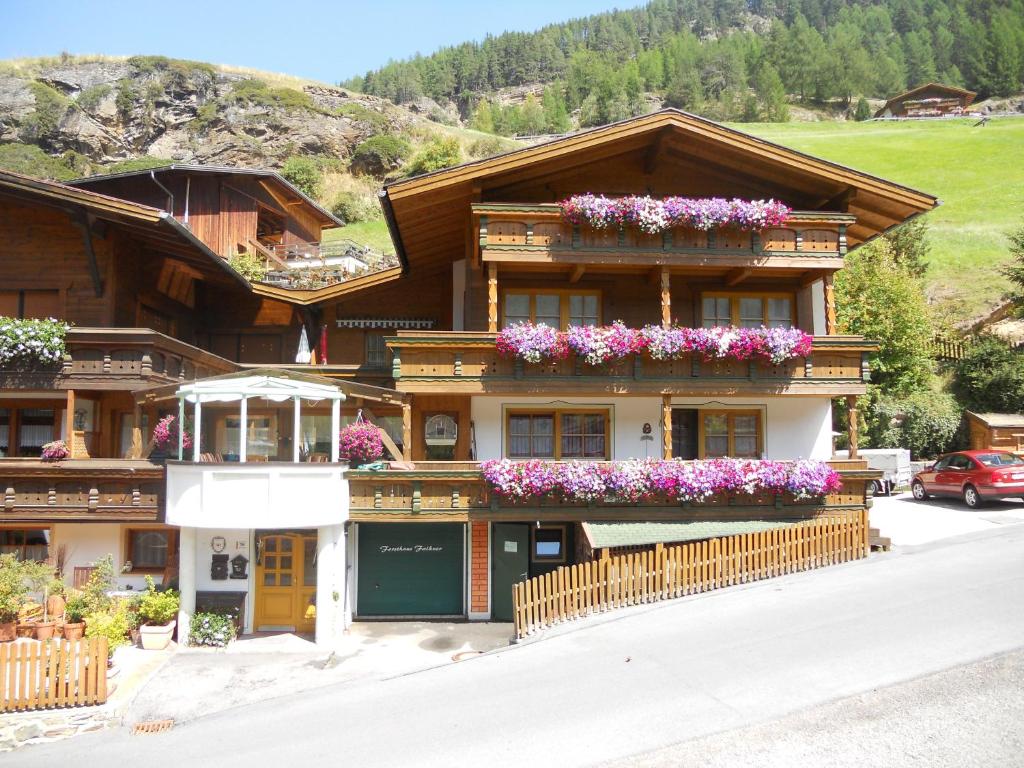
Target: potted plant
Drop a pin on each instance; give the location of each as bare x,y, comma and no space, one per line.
55,451
165,437
43,579
74,616
12,595
360,443
158,611
131,606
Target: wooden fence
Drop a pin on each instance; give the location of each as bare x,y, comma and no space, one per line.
574,591
52,673
942,348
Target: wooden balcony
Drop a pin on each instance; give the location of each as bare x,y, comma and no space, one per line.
119,359
537,234
456,492
469,363
95,490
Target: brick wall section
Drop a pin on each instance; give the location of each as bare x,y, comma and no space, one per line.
479,576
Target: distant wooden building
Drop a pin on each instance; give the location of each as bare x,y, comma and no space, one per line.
1003,431
929,100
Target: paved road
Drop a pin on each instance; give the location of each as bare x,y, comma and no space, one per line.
635,681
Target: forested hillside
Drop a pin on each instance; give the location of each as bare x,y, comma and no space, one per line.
725,59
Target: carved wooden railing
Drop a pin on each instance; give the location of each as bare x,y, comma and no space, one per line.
514,232
469,362
456,491
94,490
120,358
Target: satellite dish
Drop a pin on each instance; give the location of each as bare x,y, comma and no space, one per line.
441,429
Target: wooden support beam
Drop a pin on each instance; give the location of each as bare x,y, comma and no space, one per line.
135,452
81,220
810,277
577,272
666,426
653,154
492,297
385,438
666,298
737,276
407,431
830,306
851,425
69,426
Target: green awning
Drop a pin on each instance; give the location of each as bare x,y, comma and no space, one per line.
602,534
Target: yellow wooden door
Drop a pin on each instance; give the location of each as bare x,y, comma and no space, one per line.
286,583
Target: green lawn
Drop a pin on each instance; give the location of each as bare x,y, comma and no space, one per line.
978,173
371,233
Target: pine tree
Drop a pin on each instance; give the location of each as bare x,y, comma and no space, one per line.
863,111
1014,271
772,94
483,117
531,116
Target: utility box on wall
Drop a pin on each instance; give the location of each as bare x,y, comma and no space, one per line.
219,568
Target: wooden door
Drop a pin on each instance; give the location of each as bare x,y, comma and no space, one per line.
286,583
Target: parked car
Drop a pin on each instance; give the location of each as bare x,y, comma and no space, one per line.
974,476
893,463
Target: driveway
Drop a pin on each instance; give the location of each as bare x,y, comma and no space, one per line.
909,522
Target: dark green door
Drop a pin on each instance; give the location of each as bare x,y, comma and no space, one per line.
510,564
412,569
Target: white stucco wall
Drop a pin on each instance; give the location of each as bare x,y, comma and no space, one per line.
88,542
795,427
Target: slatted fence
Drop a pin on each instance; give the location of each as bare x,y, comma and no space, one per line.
52,673
574,591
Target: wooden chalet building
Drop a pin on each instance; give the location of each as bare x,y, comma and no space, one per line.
411,346
929,100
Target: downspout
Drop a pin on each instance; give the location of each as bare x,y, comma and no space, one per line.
188,188
170,197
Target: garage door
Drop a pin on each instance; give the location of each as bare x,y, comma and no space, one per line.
410,569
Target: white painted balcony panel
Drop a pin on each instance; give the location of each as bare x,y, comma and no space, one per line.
257,495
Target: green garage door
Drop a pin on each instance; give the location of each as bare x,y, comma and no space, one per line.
410,569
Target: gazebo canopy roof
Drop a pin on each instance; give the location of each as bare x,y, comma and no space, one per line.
266,383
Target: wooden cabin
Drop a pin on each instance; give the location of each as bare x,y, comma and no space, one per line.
929,100
996,431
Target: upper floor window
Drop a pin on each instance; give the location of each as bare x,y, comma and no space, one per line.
730,433
747,310
376,351
558,309
558,435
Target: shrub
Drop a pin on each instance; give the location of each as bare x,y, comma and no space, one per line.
379,155
360,443
33,161
51,106
258,93
250,266
76,608
363,114
113,626
91,97
352,207
13,587
100,582
439,152
158,607
991,376
212,629
304,173
125,98
925,422
863,111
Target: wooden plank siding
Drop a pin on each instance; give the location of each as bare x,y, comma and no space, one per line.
664,573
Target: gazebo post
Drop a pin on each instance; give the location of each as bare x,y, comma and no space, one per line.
335,428
296,429
198,428
243,436
181,427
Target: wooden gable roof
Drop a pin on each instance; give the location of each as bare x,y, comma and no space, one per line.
936,88
663,153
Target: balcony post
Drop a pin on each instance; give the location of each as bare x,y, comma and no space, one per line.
186,580
830,306
335,429
296,429
666,426
198,427
492,298
851,425
406,431
181,427
243,430
69,426
666,298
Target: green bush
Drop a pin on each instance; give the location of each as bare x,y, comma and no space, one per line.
258,93
13,587
352,207
363,114
44,121
158,607
113,626
76,608
32,161
250,266
925,422
439,152
991,376
379,155
304,173
100,582
91,97
863,111
212,629
125,98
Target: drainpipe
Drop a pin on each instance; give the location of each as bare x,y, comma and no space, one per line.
170,197
188,188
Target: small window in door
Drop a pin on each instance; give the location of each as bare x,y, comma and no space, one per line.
376,351
549,544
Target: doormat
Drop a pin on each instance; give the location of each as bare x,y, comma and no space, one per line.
152,726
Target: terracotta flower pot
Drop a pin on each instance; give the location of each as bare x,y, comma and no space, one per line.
8,631
26,629
74,631
45,629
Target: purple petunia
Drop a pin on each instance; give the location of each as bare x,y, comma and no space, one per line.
652,215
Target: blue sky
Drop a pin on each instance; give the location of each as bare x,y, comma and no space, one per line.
318,39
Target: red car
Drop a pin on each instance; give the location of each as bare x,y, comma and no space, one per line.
973,476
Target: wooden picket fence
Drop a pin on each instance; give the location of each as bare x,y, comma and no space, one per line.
574,591
53,673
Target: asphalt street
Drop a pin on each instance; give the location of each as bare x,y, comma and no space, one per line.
637,681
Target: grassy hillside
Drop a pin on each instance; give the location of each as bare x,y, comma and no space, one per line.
978,173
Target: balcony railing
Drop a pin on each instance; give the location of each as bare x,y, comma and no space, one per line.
95,490
511,232
120,358
309,266
457,491
466,362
